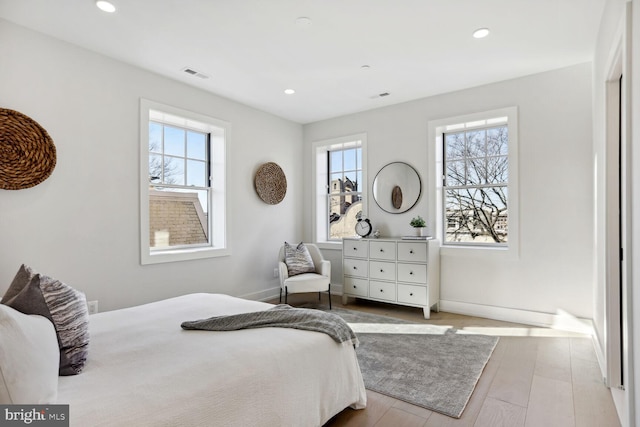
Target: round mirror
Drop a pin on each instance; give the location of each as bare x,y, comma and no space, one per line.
397,187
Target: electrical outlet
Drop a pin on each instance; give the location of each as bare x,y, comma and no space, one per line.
275,273
93,306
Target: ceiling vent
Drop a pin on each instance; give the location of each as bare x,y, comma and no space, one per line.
380,95
193,72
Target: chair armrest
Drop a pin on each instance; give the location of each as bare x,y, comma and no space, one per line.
283,273
325,268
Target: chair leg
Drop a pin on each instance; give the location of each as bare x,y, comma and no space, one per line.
329,290
281,295
319,296
286,294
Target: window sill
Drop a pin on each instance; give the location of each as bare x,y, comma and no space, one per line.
336,246
478,251
183,255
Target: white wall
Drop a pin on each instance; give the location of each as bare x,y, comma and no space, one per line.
82,224
554,268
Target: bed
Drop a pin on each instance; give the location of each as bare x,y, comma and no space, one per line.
143,369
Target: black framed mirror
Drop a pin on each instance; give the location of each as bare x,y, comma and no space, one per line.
397,187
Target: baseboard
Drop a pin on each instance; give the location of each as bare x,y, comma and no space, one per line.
599,350
561,320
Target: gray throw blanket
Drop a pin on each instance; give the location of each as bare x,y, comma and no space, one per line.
281,316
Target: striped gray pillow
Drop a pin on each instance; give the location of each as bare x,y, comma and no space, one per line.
298,259
65,307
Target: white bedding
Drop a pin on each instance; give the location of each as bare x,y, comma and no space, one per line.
143,369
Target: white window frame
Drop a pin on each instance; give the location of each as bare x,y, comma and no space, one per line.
217,226
436,129
319,168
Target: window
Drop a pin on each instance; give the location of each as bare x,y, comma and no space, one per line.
477,180
340,182
182,180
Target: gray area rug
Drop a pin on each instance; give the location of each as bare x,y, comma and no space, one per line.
430,366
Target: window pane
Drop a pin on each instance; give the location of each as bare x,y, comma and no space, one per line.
155,168
174,141
196,145
350,181
196,173
454,146
177,217
335,161
497,170
497,141
476,171
155,137
476,143
359,158
173,170
350,159
336,184
477,215
456,173
358,181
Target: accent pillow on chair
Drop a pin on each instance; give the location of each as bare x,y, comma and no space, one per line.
298,259
29,359
65,307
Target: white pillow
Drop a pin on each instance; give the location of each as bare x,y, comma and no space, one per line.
29,358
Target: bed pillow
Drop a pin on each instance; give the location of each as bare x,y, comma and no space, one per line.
298,259
29,358
64,306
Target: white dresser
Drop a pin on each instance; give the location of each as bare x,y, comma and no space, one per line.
394,270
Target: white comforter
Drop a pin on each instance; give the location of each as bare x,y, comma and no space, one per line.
144,370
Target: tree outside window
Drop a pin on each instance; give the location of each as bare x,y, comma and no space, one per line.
476,175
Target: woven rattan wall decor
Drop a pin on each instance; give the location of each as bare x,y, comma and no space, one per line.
270,183
27,153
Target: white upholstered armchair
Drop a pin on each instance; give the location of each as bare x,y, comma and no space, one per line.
318,281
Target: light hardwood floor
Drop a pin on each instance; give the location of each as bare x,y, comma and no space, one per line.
535,377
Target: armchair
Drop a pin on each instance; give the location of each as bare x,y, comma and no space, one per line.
319,281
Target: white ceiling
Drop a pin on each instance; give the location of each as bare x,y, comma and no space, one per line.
254,49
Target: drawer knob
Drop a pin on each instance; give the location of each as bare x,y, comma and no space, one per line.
354,286
381,250
355,249
411,294
411,273
355,268
381,271
411,251
381,290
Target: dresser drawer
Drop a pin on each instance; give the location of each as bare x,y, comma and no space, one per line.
412,273
382,290
412,251
355,248
357,287
355,267
382,250
411,294
382,270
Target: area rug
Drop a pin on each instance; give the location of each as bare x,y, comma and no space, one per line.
430,366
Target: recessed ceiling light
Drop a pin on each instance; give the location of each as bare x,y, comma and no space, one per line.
365,67
105,6
303,21
289,91
481,33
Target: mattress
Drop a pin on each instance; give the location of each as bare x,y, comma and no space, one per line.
143,369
